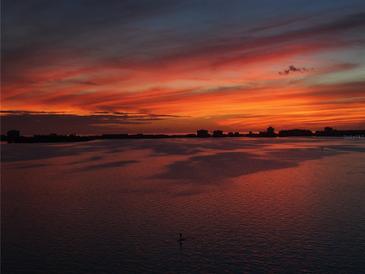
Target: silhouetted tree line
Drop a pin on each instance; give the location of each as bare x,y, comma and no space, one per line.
14,136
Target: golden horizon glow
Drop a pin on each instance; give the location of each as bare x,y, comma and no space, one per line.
312,77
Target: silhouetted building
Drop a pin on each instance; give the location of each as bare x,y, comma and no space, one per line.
328,130
270,131
218,133
295,132
202,133
233,134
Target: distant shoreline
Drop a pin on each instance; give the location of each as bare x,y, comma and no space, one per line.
13,136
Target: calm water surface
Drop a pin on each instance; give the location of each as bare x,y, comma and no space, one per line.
243,205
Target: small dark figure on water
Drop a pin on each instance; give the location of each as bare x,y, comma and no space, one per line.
181,239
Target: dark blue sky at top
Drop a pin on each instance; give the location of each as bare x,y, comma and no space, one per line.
120,28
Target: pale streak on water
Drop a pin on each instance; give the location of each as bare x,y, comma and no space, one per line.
245,206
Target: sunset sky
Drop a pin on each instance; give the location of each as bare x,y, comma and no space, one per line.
91,66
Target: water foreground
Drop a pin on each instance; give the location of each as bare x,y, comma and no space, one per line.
243,205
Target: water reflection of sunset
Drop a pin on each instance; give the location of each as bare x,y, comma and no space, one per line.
243,201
